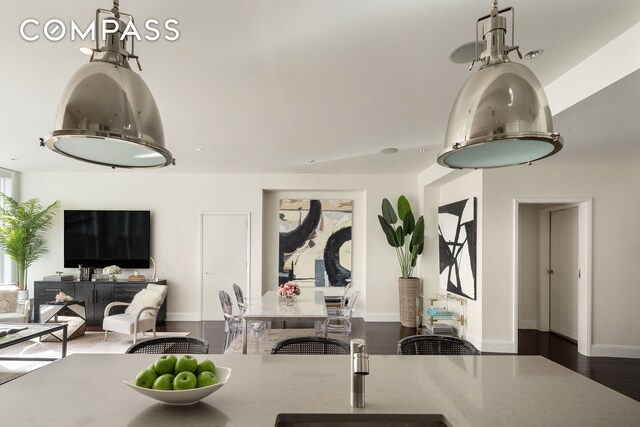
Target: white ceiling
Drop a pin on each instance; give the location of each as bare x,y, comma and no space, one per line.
264,86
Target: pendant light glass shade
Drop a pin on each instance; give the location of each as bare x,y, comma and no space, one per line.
501,116
108,116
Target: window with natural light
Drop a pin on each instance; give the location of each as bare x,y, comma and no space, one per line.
7,186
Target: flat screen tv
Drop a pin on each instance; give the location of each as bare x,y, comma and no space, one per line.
102,238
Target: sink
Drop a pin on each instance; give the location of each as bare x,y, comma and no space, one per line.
361,420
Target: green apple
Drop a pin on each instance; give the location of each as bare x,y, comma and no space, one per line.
163,382
205,365
146,378
186,363
152,367
165,364
206,378
185,381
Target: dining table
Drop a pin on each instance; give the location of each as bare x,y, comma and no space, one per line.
309,305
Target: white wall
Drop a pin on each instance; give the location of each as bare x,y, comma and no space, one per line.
528,266
615,190
176,200
442,192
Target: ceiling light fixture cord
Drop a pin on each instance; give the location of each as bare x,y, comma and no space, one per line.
116,8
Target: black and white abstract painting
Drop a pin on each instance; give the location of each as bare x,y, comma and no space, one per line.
315,242
457,236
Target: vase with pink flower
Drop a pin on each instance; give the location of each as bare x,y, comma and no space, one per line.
288,293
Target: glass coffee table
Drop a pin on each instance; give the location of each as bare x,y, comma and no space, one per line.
32,330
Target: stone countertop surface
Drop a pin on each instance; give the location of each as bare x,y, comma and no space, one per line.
87,389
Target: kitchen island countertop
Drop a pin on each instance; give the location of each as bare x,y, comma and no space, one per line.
87,389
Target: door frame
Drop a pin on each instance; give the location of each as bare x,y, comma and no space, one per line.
585,262
247,216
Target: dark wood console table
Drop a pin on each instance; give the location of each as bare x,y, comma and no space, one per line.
96,296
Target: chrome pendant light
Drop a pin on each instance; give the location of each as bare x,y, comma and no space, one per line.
501,116
107,114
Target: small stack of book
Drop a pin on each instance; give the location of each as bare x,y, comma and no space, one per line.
58,278
439,313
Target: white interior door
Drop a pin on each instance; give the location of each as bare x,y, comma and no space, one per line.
224,259
563,268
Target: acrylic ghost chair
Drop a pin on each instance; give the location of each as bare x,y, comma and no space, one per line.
339,318
338,300
233,325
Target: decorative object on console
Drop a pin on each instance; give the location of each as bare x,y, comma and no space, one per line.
315,241
112,271
22,228
153,276
136,277
408,240
501,116
87,128
457,241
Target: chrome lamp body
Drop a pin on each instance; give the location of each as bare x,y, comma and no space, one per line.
107,114
501,116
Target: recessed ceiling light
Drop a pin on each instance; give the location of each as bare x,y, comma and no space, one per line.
13,159
86,50
423,150
467,52
389,151
199,150
311,161
533,53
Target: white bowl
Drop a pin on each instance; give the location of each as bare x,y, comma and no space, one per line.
184,397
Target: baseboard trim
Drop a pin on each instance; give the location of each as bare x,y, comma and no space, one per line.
623,351
381,317
184,317
492,346
528,324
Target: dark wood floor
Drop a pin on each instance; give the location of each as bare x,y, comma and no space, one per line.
622,375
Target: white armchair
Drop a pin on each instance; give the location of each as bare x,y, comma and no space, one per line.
13,310
140,314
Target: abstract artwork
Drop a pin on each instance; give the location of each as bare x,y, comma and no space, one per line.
315,242
457,241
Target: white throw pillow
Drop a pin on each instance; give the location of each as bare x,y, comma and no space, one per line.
145,298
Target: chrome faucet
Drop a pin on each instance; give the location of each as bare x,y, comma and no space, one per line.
359,368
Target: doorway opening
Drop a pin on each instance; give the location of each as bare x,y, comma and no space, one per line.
552,268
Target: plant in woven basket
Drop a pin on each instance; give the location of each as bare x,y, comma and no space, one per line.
407,237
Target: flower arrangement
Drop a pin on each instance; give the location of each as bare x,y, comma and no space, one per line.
289,289
111,271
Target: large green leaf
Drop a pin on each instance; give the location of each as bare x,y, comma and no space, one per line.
389,232
409,223
388,213
417,238
400,235
403,206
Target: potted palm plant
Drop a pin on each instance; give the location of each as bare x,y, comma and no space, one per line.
408,240
22,227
